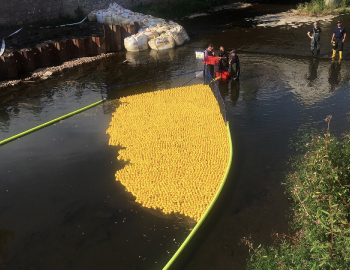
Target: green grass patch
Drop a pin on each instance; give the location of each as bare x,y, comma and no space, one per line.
318,7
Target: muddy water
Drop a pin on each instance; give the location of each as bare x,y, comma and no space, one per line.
60,206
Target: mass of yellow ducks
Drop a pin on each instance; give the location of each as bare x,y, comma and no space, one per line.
176,145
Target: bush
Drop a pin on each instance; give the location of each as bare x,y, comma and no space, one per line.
318,7
320,194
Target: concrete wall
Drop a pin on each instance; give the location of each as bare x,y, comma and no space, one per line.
19,12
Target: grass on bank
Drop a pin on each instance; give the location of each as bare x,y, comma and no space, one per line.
177,9
318,7
318,188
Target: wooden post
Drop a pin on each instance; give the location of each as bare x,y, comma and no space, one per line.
118,41
124,33
11,66
79,48
28,60
137,26
61,51
3,68
132,29
52,52
100,43
45,56
112,44
70,48
107,32
37,57
17,56
91,48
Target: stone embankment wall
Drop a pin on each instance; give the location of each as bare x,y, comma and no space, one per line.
19,12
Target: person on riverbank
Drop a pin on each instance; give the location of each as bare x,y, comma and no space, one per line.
314,35
234,65
338,39
210,52
223,64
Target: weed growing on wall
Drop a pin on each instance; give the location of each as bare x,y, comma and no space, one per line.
319,190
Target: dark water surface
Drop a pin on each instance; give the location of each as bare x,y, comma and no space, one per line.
60,206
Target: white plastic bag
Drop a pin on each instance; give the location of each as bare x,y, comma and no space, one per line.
108,19
101,15
162,43
150,33
92,16
115,18
176,35
136,42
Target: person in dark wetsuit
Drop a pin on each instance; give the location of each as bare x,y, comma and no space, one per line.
234,66
314,35
338,39
210,52
223,64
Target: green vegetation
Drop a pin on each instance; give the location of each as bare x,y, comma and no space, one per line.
319,191
318,7
178,9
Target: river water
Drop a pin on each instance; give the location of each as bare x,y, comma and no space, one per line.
60,206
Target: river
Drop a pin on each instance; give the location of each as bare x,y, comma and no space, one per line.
60,206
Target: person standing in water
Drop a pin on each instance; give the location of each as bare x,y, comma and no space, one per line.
314,35
234,66
223,65
338,39
210,52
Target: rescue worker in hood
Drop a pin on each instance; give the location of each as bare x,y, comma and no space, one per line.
210,52
234,66
223,65
338,39
314,35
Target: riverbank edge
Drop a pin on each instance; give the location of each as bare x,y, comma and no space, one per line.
40,73
190,237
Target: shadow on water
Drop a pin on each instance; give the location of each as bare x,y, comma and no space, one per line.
57,187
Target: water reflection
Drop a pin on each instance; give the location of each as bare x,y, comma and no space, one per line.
4,237
312,74
334,75
234,94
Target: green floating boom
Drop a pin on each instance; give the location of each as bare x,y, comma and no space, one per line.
206,213
49,123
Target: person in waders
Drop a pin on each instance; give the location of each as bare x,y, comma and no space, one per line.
210,52
314,35
223,65
234,66
338,39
